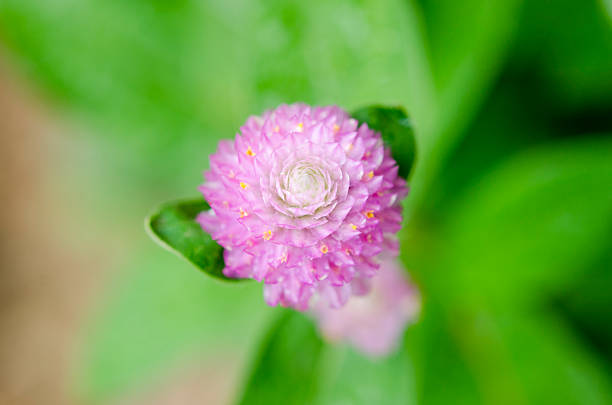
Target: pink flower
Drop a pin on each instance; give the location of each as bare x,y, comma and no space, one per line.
373,323
303,199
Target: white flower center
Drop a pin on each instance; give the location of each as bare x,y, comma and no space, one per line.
304,187
306,183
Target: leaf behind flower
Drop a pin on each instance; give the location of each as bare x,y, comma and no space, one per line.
173,226
397,132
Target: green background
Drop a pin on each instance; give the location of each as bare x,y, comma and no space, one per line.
507,228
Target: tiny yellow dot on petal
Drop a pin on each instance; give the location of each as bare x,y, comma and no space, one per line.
369,214
267,235
250,152
354,227
336,128
348,251
370,174
277,129
244,185
243,213
300,127
324,249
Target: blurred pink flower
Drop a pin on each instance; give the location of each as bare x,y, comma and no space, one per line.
375,322
303,199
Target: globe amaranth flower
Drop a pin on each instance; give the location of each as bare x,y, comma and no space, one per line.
303,199
373,323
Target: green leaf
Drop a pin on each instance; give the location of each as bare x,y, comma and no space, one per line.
174,227
296,367
347,377
396,130
285,371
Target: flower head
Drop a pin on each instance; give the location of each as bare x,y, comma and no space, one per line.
373,323
303,199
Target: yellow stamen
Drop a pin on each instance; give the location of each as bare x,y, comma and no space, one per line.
336,128
369,213
250,152
324,249
267,234
244,185
354,227
283,258
243,213
277,129
300,127
370,175
348,251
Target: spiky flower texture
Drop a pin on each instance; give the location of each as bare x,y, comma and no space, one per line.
304,199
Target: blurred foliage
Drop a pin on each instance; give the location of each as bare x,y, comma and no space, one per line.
155,76
508,226
514,241
295,366
161,313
